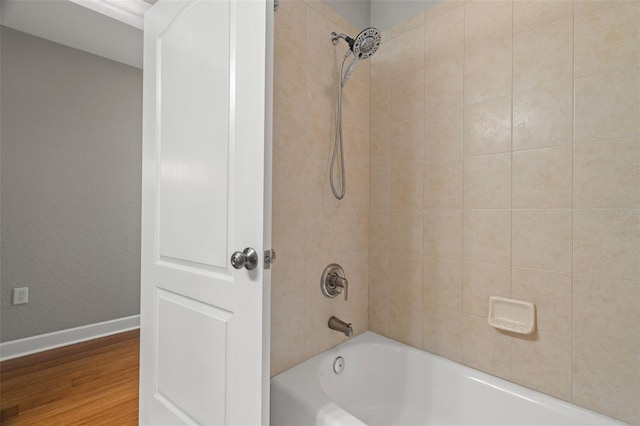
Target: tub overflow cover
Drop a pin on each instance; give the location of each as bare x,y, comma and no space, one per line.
338,365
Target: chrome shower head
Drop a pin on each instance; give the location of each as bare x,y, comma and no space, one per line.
364,45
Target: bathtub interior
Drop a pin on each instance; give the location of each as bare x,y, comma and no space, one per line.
370,380
386,383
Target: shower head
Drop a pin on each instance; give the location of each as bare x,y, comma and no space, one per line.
364,45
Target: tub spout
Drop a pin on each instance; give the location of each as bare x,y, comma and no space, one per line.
341,326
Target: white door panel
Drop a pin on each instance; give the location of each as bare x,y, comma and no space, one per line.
194,133
204,325
192,381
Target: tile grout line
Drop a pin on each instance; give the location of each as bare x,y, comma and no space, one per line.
573,177
464,54
511,186
424,169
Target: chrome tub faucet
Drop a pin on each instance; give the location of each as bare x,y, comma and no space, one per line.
341,326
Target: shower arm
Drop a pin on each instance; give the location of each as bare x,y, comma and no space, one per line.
335,37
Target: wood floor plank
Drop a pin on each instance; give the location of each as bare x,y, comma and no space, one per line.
47,359
93,382
76,408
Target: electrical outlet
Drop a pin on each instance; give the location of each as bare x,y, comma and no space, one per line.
20,295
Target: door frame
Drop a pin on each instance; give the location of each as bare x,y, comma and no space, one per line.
130,12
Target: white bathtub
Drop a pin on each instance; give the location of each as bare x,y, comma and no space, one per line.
387,383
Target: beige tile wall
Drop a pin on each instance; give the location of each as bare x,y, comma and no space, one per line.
311,229
505,160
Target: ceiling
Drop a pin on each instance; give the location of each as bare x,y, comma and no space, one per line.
67,23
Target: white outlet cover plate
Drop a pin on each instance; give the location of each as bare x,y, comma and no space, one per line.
20,295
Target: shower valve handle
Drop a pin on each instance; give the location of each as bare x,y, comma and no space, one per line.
338,283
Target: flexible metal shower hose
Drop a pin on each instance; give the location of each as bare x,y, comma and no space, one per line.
338,139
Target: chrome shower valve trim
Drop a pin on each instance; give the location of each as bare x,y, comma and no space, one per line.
334,282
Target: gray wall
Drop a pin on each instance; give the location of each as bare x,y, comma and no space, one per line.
382,14
70,186
356,11
387,13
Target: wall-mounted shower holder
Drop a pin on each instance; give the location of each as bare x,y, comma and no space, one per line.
333,281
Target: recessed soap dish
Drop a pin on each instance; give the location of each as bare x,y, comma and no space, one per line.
516,316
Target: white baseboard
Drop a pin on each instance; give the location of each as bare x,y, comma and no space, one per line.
44,342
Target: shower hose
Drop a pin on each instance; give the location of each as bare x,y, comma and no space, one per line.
338,139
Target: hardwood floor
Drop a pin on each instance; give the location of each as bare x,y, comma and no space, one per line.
90,383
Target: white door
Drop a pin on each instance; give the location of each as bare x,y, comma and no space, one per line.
204,324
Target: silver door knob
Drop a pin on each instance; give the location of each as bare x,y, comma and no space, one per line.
248,258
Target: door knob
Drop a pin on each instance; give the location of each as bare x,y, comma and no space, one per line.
248,258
